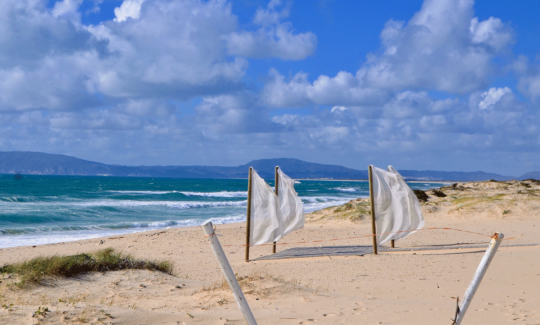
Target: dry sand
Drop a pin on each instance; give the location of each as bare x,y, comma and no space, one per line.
412,287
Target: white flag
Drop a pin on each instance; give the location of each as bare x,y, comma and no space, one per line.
266,221
396,206
292,207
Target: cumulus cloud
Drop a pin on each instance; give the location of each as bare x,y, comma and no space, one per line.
493,96
343,89
128,9
67,8
274,38
155,48
442,47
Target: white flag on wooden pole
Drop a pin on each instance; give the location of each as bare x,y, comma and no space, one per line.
397,209
292,207
266,220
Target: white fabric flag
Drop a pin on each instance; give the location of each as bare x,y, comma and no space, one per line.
266,221
396,206
292,207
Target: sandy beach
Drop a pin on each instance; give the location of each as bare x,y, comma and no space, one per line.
400,287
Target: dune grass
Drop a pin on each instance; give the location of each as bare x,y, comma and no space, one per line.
36,269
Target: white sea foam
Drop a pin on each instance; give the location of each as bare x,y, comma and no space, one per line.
97,231
217,194
202,194
310,207
345,189
319,199
171,204
144,192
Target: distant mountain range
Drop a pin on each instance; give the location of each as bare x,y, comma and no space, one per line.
38,163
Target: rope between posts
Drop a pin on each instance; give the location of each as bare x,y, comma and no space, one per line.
367,236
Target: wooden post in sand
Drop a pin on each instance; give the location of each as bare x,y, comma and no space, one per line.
373,226
248,214
229,274
496,240
392,242
276,186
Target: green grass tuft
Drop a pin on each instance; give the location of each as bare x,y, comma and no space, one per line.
33,271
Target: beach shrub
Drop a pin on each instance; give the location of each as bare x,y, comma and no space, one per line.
438,193
525,184
532,180
34,270
344,207
421,195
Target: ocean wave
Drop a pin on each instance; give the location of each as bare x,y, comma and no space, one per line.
171,204
217,194
345,189
319,199
36,236
144,192
202,194
310,207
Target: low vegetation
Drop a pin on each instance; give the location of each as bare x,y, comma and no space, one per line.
35,270
438,193
421,195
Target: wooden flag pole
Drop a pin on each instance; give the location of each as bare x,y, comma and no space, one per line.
373,226
248,214
276,186
392,242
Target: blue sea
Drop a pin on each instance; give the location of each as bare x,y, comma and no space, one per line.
38,210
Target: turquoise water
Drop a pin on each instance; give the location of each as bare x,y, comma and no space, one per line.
49,209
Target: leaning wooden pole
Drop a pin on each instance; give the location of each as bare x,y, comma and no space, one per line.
496,240
373,226
276,187
228,273
248,214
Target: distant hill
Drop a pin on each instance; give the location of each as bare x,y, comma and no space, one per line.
38,163
534,175
458,176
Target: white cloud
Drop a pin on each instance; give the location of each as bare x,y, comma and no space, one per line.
493,96
491,32
442,47
128,9
168,49
274,38
342,90
67,8
338,108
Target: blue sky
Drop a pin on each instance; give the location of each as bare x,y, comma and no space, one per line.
440,85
